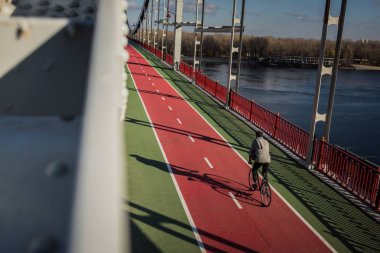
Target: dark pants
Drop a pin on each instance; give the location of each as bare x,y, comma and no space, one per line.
256,166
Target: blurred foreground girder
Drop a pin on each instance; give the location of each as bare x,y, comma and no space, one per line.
61,95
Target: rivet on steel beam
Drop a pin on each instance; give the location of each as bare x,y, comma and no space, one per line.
47,65
89,10
44,3
71,13
8,107
67,118
39,12
23,30
43,244
74,4
71,30
58,8
25,6
56,170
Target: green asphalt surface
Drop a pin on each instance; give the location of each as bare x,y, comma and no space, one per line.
158,221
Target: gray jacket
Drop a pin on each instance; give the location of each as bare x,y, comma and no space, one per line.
260,150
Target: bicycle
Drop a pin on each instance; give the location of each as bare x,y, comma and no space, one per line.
263,187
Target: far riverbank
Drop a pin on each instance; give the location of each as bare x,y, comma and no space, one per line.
225,60
365,67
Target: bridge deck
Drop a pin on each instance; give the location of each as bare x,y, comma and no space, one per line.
158,221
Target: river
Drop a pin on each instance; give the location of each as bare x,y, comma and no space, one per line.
290,91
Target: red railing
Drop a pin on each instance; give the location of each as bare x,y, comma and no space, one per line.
292,136
212,87
169,59
356,175
158,53
288,134
350,171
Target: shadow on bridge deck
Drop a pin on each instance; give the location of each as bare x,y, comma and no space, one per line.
343,225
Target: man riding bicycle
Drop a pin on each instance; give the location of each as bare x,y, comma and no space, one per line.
259,152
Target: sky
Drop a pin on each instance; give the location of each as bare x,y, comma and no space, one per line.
285,18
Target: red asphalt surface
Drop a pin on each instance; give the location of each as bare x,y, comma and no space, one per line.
222,226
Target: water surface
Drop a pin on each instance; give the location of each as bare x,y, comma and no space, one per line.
290,91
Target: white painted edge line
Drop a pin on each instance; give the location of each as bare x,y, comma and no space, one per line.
235,200
149,78
163,98
170,108
153,84
191,138
179,121
158,91
184,205
277,193
208,163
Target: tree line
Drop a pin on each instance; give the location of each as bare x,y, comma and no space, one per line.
218,45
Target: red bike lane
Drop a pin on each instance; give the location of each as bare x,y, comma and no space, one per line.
212,177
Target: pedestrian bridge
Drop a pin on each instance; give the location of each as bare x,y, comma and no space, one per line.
108,143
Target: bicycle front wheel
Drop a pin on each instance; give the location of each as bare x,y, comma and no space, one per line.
266,194
251,181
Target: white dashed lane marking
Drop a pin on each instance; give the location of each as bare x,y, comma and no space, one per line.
235,200
208,162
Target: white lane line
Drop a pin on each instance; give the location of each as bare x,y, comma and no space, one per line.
170,108
191,138
235,200
149,78
153,84
179,192
158,91
163,98
208,162
179,121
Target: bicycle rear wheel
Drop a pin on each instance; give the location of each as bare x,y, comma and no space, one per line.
265,193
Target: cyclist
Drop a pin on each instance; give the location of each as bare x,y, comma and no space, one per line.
259,152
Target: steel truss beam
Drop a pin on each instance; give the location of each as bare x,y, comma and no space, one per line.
62,87
235,21
322,71
178,34
164,36
156,25
218,29
199,7
236,27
